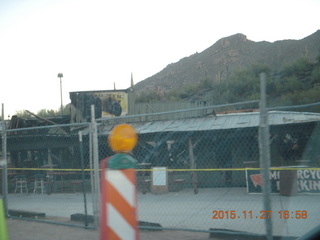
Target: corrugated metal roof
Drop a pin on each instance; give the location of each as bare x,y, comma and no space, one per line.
221,121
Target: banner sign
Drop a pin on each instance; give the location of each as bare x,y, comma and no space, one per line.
308,181
159,176
106,104
113,103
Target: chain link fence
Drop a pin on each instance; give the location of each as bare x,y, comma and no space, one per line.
48,175
200,174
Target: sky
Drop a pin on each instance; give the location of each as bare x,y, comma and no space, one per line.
98,43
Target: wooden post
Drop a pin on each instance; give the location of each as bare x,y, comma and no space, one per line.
193,165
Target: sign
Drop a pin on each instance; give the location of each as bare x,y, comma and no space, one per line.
159,176
106,104
159,180
113,103
308,181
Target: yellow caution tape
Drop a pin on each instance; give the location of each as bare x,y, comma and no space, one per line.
167,169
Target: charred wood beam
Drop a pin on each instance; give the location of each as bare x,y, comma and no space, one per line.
46,120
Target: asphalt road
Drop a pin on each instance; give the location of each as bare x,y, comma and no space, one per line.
30,230
181,209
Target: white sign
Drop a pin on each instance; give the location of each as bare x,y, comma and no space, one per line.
159,176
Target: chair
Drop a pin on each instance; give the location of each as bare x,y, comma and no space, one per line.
39,183
21,183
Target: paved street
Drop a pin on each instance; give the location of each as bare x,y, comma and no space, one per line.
30,230
235,209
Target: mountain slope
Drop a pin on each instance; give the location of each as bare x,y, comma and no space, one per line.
228,55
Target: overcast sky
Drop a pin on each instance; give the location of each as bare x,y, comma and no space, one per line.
98,42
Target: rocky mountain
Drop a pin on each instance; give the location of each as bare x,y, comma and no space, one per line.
228,55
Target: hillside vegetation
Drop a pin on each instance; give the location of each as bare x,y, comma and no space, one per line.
295,83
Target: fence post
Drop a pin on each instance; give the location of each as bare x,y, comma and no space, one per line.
264,149
93,197
3,164
83,180
95,156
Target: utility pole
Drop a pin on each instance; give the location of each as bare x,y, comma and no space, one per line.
60,75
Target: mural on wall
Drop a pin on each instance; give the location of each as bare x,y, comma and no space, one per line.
106,104
113,103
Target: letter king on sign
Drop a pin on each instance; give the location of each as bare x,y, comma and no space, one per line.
118,200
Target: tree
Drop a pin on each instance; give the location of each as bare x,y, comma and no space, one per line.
315,76
318,58
23,114
293,84
45,113
300,68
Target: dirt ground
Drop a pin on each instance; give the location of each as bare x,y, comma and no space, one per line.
30,230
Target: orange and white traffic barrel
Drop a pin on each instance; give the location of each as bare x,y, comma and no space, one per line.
118,188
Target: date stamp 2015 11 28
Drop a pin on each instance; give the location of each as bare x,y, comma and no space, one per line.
233,214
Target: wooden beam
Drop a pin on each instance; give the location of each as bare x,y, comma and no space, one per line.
193,165
46,120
